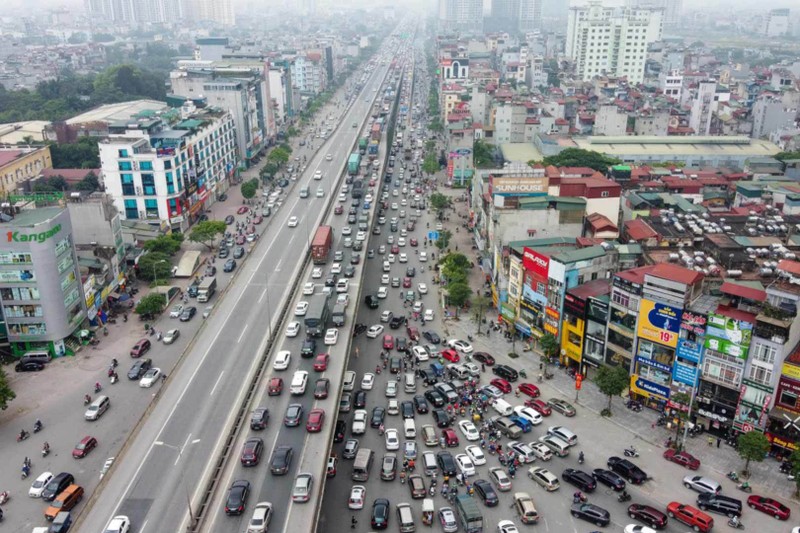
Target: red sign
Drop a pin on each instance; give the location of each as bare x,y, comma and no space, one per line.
535,262
578,380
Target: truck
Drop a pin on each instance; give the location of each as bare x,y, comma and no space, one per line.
321,245
362,145
358,188
407,153
206,289
468,514
338,315
375,133
317,316
373,149
353,163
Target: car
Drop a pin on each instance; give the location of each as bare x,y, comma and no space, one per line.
282,360
378,415
397,321
486,492
38,486
281,460
406,283
529,414
465,464
294,413
540,406
395,282
564,434
529,389
301,490
259,418
446,463
500,479
432,337
176,311
242,210
435,397
316,417
238,253
251,451
28,366
358,494
339,431
359,424
301,309
506,526
229,265
350,449
469,430
171,336
718,503
259,521
428,316
420,354
293,220
462,346
503,385
634,528
374,331
410,449
368,381
647,514
628,470
476,454
150,377
769,506
701,484
380,514
505,372
309,347
118,524
580,479
388,342
407,409
524,452
86,445
491,391
139,368
561,406
360,400
331,337
591,513
393,407
229,220
358,329
420,404
223,251
391,388
685,459
308,288
609,478
140,348
333,462
392,440
386,316
447,519
450,355
316,273
541,451
546,479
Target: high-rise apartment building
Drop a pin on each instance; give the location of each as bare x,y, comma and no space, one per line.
530,15
162,11
672,9
776,23
703,107
461,15
611,41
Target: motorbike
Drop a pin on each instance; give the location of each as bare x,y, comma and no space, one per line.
735,524
87,400
114,378
97,387
745,487
23,435
631,452
623,496
37,427
45,451
94,342
26,470
633,405
548,375
580,458
523,374
4,497
733,476
579,498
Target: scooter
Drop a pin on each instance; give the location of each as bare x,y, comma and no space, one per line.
623,496
735,525
745,487
26,470
4,497
22,435
733,476
631,452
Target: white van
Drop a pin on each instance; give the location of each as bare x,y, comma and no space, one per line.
410,384
410,428
304,192
502,407
406,518
299,381
429,463
99,406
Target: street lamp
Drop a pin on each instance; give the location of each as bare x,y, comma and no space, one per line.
155,277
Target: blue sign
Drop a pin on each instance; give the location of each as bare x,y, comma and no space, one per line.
665,317
433,235
654,364
685,373
690,351
652,388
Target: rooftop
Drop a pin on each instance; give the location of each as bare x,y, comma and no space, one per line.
597,287
122,111
687,146
28,218
676,273
748,290
581,254
520,152
635,275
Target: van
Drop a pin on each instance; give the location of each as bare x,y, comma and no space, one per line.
349,381
362,465
429,435
387,266
429,463
409,428
42,357
410,384
96,409
417,487
502,407
65,501
526,511
299,381
405,518
692,517
304,192
338,315
457,371
556,445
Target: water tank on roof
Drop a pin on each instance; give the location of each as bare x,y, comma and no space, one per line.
734,273
674,257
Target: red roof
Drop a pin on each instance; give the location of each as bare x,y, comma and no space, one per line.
745,291
639,230
7,156
601,222
737,314
597,287
69,173
677,273
792,267
635,275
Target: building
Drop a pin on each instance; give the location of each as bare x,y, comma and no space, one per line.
309,74
138,11
94,123
165,173
611,41
584,323
776,23
770,115
461,15
218,12
530,15
17,166
671,83
40,284
672,9
703,107
504,16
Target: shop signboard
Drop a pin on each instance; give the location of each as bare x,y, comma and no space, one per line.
537,263
728,335
659,323
507,311
551,320
574,305
648,388
685,373
689,350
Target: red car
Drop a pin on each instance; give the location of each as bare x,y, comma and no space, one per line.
451,355
530,389
388,342
321,388
242,210
450,438
371,182
501,384
140,348
540,406
258,219
684,459
769,506
321,362
275,387
338,210
406,283
315,419
83,448
251,451
413,242
483,357
395,249
240,239
413,333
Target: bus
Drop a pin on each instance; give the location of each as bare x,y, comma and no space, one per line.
317,316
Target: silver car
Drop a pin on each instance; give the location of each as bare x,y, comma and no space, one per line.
448,520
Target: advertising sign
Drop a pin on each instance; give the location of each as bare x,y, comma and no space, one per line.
648,388
659,323
574,305
523,186
728,335
507,311
685,373
535,262
551,320
690,351
693,322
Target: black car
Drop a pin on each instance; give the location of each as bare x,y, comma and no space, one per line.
420,404
649,515
432,337
580,479
341,428
372,301
188,313
331,280
360,399
486,491
505,372
238,253
349,270
717,503
56,485
627,469
401,344
283,182
223,252
350,449
259,418
591,513
395,363
139,368
407,409
222,197
30,366
321,388
441,418
446,463
281,460
229,265
237,497
378,414
483,357
211,271
427,377
380,514
434,396
229,220
609,478
410,272
358,329
294,414
309,347
351,219
397,321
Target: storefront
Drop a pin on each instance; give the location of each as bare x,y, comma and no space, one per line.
574,329
783,420
594,338
716,408
657,333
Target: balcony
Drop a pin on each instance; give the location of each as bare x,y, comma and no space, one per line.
775,328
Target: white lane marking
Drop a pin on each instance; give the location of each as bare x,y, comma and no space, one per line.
241,334
278,266
263,293
180,452
217,383
144,525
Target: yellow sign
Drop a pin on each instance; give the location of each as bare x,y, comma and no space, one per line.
659,323
790,371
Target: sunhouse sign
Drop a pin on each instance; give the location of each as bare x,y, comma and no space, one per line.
38,237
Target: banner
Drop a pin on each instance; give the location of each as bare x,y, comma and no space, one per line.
535,262
728,335
659,323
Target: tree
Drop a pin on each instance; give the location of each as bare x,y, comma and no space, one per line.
443,242
165,244
249,188
612,381
683,400
430,145
549,345
83,153
89,183
51,184
480,304
6,393
456,260
430,165
155,266
482,154
752,446
152,304
206,232
439,202
794,461
577,157
459,295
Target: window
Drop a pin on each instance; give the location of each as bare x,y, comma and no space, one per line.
574,339
151,208
127,185
146,165
131,210
760,374
170,184
122,153
788,399
604,194
149,184
620,298
764,353
125,165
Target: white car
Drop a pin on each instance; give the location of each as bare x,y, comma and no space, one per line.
523,451
375,331
469,430
347,230
176,311
390,239
410,449
423,257
361,236
401,241
331,337
320,192
391,388
422,288
636,528
460,346
394,205
476,454
293,220
343,285
316,273
384,277
150,377
420,353
282,360
391,258
448,520
359,422
529,414
500,479
417,307
403,258
393,407
348,242
262,515
428,315
118,524
292,329
383,292
38,486
506,526
328,157
544,477
336,268
465,464
308,288
392,441
473,369
342,197
386,316
301,309
368,381
171,335
541,451
358,494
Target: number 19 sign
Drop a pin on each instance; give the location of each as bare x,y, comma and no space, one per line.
659,322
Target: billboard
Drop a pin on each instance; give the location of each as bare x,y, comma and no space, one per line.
659,323
523,186
535,262
728,335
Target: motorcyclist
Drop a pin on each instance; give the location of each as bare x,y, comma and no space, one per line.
114,363
578,496
22,434
580,457
735,521
624,495
87,399
46,447
37,426
97,386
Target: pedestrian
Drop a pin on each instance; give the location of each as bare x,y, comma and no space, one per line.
710,441
483,367
719,441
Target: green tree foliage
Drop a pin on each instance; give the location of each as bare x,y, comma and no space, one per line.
89,183
249,188
51,184
7,395
549,344
682,414
577,157
206,232
443,242
459,294
165,244
482,154
430,165
279,155
794,460
439,202
785,156
752,446
612,381
84,153
155,266
151,305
